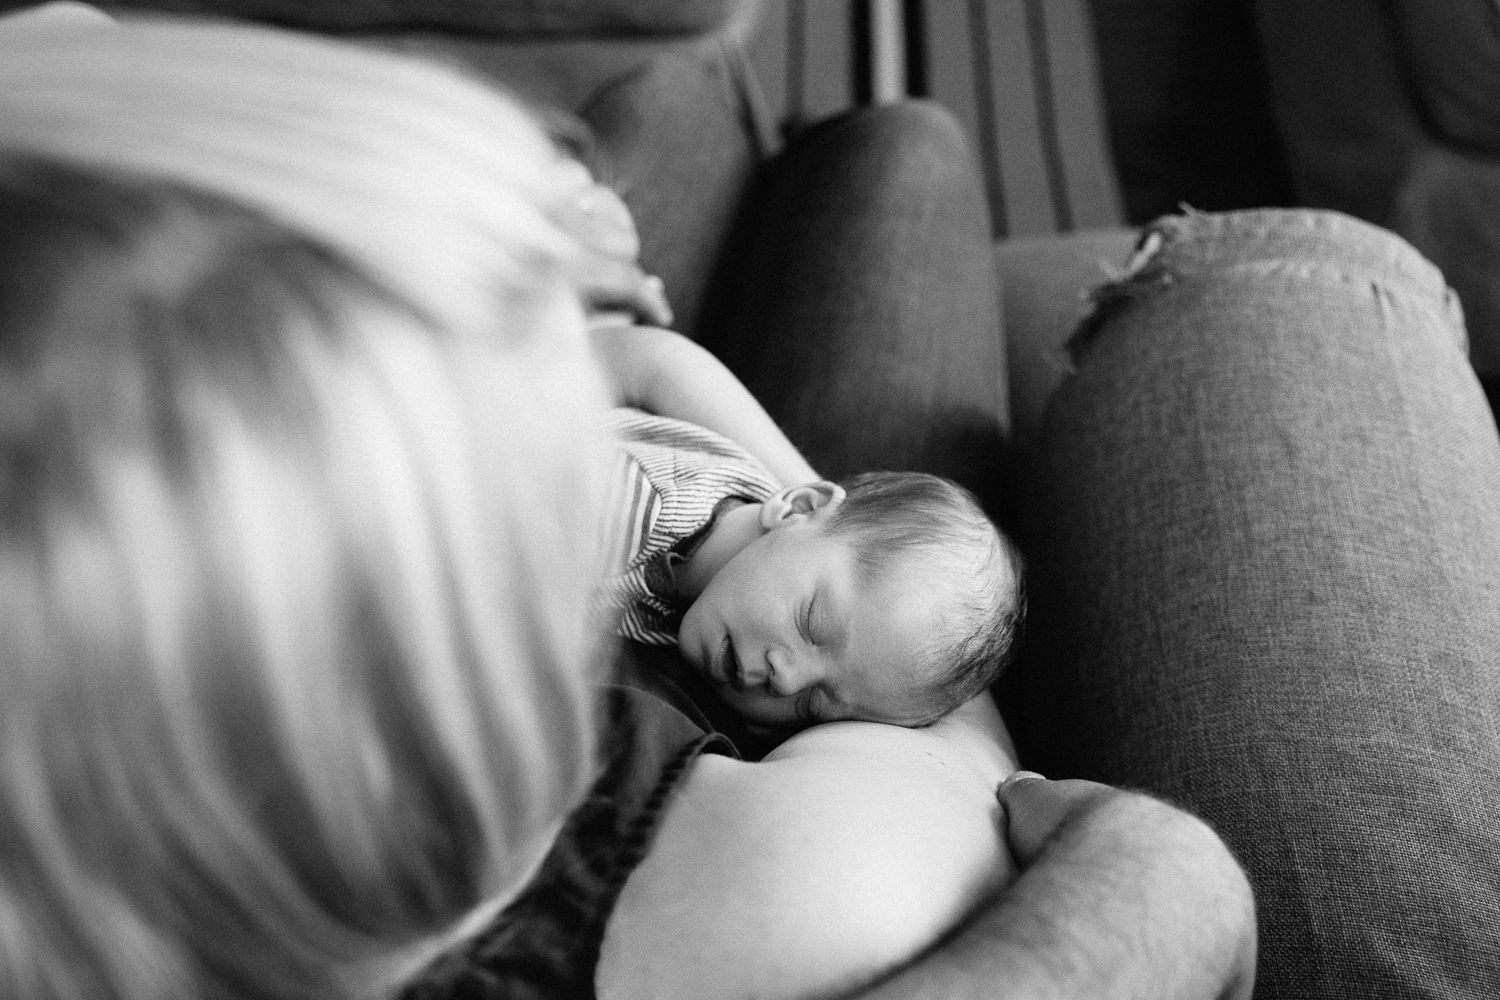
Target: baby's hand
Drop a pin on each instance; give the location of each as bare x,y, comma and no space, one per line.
613,286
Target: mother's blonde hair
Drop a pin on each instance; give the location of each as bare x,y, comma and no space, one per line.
297,507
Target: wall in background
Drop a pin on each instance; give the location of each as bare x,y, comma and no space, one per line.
1082,113
1020,75
1188,110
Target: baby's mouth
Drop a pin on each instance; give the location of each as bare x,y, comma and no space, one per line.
729,665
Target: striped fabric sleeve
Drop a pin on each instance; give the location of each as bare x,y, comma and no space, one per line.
668,479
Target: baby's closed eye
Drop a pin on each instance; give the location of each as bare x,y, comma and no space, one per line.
805,621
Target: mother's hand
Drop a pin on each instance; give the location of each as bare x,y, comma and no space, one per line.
1120,897
1036,810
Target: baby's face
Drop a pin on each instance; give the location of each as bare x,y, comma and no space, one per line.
789,634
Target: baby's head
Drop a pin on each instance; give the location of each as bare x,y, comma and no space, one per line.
889,597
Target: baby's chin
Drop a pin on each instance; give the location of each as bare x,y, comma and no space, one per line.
755,715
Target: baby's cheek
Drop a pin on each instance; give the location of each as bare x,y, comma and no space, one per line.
689,641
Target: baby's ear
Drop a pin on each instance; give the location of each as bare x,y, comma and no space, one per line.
796,503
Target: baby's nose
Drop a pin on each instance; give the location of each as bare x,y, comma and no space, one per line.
787,673
753,673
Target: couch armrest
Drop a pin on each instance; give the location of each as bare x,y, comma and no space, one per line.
858,299
482,17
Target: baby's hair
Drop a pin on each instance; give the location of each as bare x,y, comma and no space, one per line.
292,672
936,531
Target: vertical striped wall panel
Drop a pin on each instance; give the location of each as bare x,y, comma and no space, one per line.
949,64
770,50
1013,129
1020,75
803,55
1091,185
828,55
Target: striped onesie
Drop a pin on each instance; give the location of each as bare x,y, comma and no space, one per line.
672,481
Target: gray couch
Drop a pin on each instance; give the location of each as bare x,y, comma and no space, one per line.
672,121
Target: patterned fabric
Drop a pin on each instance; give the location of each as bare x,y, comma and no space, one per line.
545,944
673,480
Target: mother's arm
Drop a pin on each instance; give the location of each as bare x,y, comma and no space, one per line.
1120,896
854,847
841,856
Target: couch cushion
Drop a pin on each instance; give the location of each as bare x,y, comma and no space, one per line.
1045,283
680,142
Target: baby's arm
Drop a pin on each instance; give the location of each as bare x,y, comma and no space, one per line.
669,375
844,855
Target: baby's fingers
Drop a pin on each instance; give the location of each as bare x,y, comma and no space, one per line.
609,286
599,220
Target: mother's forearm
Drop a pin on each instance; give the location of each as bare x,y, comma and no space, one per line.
1121,896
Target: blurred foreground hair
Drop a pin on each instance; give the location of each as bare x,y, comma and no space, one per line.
297,511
